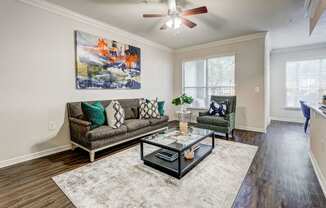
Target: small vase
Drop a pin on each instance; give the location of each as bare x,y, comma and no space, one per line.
189,154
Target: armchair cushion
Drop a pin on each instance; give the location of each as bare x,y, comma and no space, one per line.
213,120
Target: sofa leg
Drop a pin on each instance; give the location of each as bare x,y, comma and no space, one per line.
92,156
227,136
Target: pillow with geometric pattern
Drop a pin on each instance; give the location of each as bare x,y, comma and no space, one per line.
148,109
115,114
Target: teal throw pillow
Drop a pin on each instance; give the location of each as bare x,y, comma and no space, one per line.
161,107
95,113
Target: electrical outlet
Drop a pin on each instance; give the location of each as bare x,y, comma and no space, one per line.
52,126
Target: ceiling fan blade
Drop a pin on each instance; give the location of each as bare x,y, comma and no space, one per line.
153,15
164,27
198,10
188,23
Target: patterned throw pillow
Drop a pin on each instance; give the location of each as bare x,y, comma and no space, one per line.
218,109
148,109
115,114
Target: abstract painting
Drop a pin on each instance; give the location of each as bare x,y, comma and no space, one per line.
106,64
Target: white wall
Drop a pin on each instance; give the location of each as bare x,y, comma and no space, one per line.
249,75
267,79
278,70
38,74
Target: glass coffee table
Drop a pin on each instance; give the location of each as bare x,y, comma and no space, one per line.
168,148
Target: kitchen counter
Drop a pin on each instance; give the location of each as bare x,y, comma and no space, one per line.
318,143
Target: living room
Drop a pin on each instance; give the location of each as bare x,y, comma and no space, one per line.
199,103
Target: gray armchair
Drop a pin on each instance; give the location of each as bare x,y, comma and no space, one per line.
216,123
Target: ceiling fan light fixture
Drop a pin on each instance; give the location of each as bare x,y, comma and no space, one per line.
174,22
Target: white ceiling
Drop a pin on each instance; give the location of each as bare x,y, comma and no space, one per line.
284,19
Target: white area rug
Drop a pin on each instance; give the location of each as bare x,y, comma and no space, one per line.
121,180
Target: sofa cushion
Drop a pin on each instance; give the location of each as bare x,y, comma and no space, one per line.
103,132
94,113
213,120
161,107
75,110
134,124
115,114
148,109
155,121
131,113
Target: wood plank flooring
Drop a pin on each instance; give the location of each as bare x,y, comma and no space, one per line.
281,174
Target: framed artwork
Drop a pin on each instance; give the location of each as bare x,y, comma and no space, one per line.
106,64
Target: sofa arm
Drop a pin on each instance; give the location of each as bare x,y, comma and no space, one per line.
80,122
203,113
79,128
231,118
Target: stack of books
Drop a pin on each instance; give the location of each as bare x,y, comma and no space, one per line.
323,108
167,155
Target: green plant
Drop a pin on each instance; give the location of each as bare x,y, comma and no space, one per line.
181,100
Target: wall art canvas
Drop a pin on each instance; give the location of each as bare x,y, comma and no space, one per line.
106,64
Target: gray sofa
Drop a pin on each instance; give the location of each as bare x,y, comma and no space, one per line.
93,140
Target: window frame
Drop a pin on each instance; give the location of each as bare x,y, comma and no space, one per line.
285,104
206,58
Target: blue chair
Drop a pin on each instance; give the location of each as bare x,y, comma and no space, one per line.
306,113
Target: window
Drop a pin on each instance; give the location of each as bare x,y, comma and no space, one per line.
206,77
305,80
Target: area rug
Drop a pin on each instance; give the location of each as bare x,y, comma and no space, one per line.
122,180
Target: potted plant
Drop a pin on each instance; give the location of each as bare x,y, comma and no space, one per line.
182,101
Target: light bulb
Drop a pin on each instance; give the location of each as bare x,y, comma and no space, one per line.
174,22
169,23
177,22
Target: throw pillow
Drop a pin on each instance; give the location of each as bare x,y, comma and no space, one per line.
130,113
218,109
94,113
115,114
161,107
148,109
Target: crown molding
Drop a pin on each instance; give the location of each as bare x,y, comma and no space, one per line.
61,11
223,42
300,48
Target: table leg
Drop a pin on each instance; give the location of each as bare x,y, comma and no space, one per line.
179,164
141,150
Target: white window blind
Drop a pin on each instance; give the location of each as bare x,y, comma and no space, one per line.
305,80
206,77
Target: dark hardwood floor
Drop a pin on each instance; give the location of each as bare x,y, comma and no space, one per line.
281,174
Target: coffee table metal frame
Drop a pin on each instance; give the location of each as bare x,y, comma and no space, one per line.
180,166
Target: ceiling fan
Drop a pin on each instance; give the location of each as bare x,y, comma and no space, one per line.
177,17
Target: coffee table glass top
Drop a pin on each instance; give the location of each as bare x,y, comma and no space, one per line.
173,139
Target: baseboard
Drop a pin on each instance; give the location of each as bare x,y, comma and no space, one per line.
319,174
35,155
250,128
293,120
